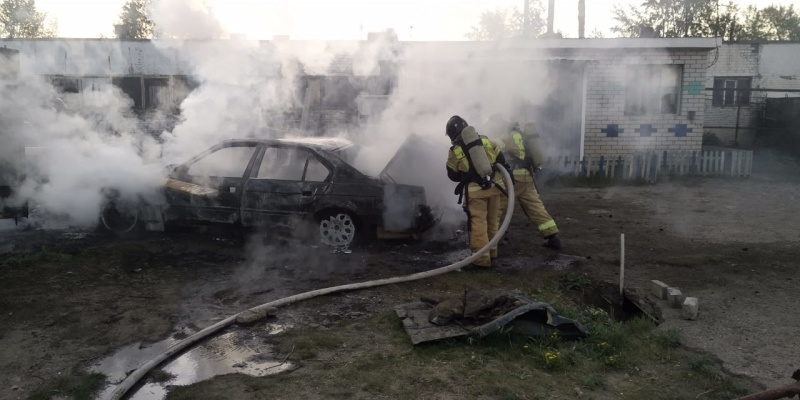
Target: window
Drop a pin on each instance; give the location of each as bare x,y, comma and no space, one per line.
316,171
64,84
731,91
132,86
291,164
157,93
227,162
652,89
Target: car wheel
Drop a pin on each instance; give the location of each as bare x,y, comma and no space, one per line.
337,229
119,220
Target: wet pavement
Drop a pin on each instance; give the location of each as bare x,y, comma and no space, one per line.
242,351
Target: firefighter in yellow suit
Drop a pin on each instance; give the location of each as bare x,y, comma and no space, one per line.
523,152
483,205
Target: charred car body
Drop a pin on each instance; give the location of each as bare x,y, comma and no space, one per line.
268,183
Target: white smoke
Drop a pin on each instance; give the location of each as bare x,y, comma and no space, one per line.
77,146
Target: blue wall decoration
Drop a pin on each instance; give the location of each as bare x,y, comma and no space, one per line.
646,130
612,130
680,130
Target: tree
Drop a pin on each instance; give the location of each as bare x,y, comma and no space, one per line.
509,23
668,18
19,19
771,23
134,21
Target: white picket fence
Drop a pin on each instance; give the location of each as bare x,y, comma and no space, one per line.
650,165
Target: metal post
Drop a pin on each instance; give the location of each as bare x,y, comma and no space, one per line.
526,27
738,111
622,264
551,5
581,18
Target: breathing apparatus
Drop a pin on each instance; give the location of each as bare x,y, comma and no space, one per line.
461,134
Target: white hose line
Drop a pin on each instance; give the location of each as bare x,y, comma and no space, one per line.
134,377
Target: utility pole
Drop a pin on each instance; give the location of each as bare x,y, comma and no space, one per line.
581,18
551,5
526,22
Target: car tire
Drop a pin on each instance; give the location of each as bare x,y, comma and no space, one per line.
338,229
119,222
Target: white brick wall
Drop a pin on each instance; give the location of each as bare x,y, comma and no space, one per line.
605,103
733,60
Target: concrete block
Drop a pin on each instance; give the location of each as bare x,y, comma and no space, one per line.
659,289
690,308
675,297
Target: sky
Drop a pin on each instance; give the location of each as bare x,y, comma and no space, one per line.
346,19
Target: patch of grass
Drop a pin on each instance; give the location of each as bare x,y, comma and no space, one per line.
702,365
668,339
374,358
309,343
78,386
44,256
576,282
593,382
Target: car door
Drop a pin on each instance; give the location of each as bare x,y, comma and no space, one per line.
287,183
209,187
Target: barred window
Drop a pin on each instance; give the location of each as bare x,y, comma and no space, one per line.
731,91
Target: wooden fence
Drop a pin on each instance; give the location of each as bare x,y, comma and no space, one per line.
650,165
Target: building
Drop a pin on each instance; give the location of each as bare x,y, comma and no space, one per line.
742,77
607,97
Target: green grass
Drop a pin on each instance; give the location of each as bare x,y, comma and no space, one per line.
80,386
374,358
44,256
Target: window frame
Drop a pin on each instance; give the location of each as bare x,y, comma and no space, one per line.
741,91
650,97
188,165
309,152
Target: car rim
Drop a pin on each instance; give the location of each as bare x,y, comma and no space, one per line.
337,230
119,222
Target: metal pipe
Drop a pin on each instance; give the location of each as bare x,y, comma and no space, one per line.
738,111
581,19
551,5
762,90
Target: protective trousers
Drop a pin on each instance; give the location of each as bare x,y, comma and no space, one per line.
483,209
528,199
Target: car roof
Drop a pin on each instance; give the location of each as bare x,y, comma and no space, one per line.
323,143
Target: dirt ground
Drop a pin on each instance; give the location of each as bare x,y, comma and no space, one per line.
69,298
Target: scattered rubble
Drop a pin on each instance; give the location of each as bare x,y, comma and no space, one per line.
690,308
675,297
659,289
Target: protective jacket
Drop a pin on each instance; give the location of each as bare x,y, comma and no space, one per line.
459,169
524,153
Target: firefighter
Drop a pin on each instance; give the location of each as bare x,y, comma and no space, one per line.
467,162
523,151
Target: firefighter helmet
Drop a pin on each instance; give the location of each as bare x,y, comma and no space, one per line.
455,125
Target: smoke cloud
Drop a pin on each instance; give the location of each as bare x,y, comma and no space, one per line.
75,147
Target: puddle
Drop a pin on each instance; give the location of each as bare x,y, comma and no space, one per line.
243,352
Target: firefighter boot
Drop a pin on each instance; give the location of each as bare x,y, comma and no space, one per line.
552,242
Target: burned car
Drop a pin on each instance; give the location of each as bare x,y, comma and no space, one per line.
280,183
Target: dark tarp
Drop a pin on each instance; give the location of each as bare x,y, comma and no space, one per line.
527,318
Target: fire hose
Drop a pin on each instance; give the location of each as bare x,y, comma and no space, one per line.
176,348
